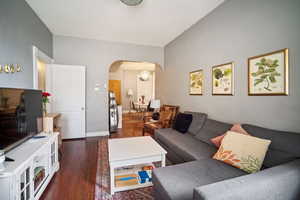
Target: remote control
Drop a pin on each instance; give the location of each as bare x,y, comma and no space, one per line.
38,137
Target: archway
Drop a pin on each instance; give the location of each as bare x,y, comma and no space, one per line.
134,86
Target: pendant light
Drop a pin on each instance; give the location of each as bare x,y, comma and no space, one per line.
144,75
132,2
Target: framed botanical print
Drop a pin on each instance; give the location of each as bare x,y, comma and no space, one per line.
268,74
223,79
196,82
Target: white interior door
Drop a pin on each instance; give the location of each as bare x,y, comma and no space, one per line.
67,86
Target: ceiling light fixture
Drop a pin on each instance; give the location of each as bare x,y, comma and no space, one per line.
144,75
132,2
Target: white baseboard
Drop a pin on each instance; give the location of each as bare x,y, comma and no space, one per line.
97,133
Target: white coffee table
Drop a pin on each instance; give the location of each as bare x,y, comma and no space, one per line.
133,151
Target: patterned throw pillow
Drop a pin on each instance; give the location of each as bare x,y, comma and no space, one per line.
242,151
235,128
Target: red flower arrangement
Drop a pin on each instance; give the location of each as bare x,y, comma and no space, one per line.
46,94
45,100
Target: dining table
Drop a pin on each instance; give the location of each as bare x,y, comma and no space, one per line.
141,106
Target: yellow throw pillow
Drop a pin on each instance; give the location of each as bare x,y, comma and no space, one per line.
243,151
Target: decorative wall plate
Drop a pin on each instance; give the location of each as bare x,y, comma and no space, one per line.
7,68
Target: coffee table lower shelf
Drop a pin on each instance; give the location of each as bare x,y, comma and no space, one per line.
132,187
132,174
113,173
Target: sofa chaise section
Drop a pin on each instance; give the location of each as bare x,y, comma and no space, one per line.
177,182
277,183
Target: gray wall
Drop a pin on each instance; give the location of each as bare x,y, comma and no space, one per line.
98,56
20,28
236,30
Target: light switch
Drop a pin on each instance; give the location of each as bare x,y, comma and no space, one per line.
97,87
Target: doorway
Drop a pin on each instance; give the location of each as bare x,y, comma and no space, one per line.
66,84
41,75
40,69
134,86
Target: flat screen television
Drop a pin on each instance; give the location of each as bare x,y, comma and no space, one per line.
21,115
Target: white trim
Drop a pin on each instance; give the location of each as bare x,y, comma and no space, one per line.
97,134
153,85
38,55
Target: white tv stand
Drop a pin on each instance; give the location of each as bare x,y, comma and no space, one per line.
35,163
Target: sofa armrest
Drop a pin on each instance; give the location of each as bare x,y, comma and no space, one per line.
277,183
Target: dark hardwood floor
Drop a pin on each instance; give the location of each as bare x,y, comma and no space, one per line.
77,175
76,178
132,126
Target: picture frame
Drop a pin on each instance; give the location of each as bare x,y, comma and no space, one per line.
223,79
268,74
196,82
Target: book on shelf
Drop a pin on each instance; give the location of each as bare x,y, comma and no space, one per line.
126,180
145,176
148,167
133,175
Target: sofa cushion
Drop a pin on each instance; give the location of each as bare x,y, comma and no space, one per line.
211,129
172,156
197,123
285,146
189,176
184,145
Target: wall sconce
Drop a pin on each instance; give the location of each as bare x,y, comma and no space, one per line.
10,68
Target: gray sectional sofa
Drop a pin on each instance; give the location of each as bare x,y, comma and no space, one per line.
195,175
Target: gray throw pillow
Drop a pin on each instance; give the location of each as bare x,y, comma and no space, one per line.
212,128
197,123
